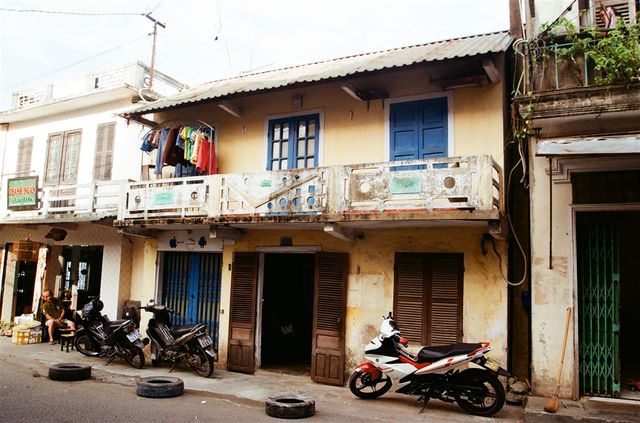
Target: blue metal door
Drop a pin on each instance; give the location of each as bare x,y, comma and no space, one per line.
419,129
191,287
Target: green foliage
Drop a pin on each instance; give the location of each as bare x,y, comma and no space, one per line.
615,53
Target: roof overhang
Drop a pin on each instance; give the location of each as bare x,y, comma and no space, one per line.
335,69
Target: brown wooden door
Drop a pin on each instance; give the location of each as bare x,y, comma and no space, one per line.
330,294
428,292
242,348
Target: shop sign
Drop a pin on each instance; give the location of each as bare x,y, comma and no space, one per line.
22,193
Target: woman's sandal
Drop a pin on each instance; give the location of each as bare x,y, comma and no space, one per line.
52,342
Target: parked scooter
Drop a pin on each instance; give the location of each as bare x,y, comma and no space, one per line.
439,372
186,344
97,336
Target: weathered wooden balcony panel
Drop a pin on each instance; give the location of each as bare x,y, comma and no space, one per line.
336,193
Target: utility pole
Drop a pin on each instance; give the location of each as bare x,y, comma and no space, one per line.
153,48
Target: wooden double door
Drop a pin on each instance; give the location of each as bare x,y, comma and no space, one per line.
328,274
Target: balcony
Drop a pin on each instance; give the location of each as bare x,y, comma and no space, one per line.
71,203
456,188
464,188
567,90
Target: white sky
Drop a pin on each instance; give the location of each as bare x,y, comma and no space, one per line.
251,34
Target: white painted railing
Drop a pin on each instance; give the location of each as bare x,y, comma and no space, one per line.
90,201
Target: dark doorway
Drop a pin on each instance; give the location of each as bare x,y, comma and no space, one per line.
287,312
83,268
26,277
629,296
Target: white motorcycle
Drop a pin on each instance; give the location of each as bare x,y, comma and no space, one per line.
440,372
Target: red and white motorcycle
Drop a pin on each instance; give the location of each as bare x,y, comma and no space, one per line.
440,372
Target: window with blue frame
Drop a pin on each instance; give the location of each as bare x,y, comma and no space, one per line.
293,142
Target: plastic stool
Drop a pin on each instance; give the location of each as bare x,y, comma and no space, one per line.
66,338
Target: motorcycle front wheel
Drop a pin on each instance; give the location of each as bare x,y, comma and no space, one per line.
362,385
483,393
134,356
200,362
83,345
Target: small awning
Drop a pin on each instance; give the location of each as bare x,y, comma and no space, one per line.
619,144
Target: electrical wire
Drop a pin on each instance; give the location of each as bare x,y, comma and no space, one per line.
78,62
56,12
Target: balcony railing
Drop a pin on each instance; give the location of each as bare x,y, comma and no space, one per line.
90,201
447,188
469,184
135,75
549,69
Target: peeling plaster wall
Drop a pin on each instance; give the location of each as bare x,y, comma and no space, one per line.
553,289
370,293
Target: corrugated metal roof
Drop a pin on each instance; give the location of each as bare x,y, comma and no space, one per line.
345,66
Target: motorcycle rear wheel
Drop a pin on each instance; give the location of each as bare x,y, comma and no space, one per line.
83,345
362,386
492,390
200,362
134,356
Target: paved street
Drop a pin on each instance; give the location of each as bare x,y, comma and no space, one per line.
109,396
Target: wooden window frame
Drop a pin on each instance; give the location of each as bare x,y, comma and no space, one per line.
62,161
293,155
103,159
25,154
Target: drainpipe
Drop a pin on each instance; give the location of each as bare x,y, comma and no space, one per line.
550,214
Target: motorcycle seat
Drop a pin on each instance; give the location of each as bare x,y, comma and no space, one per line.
443,351
178,330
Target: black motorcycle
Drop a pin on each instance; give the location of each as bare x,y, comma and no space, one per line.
97,336
190,345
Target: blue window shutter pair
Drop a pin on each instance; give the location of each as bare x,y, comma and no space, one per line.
419,129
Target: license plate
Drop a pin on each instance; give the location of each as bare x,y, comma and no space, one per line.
492,364
205,341
133,336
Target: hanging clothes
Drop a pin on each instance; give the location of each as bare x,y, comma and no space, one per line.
164,133
206,163
190,150
171,154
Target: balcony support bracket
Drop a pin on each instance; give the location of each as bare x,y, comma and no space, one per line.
224,233
339,232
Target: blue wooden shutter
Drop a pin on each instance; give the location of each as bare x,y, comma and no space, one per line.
419,130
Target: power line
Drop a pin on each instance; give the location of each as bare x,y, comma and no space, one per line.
56,12
78,62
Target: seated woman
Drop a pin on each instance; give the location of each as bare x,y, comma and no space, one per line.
54,313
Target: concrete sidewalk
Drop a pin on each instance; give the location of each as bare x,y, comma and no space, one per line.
257,387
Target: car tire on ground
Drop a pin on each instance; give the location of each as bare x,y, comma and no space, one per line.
69,371
159,387
290,407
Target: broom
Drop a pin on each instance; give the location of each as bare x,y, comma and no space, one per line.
552,405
